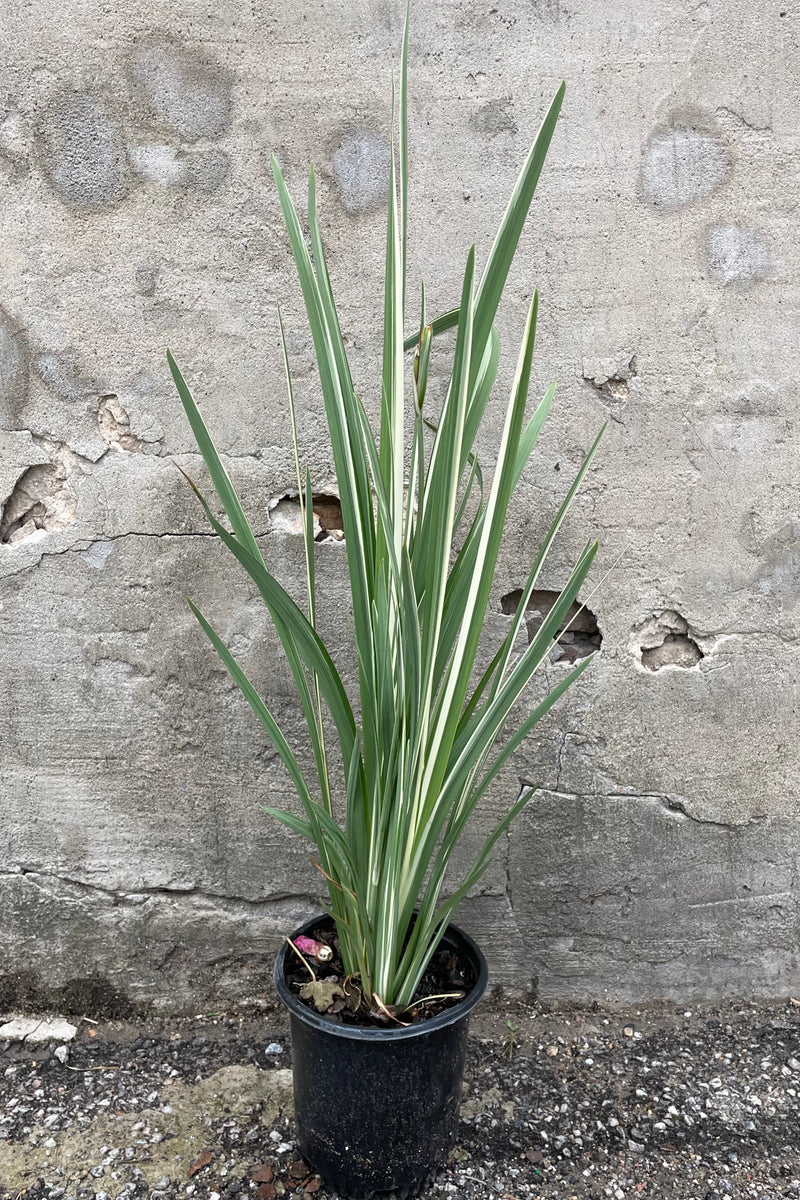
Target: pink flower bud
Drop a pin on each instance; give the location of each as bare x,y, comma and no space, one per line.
307,945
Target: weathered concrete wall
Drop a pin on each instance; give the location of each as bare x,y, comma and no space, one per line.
661,857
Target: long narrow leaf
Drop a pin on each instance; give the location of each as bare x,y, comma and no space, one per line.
257,704
421,557
505,244
442,324
219,476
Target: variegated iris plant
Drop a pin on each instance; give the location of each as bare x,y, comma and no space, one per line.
419,745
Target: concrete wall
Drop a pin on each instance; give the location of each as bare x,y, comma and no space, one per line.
661,857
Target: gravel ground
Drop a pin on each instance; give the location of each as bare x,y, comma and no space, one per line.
701,1105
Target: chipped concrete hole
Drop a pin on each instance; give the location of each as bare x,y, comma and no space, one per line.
286,517
611,379
41,500
578,634
115,425
666,640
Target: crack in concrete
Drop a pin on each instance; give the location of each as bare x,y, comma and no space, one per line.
136,895
674,805
725,111
508,891
561,750
560,758
82,546
750,633
30,1032
49,441
748,899
158,450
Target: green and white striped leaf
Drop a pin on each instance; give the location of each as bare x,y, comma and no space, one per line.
423,739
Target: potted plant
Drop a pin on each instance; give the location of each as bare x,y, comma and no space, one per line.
379,989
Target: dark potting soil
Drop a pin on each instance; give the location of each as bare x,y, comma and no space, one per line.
448,978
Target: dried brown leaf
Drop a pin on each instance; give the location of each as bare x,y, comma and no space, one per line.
263,1174
202,1160
353,995
322,991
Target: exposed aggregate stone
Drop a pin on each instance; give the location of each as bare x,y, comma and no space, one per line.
701,1105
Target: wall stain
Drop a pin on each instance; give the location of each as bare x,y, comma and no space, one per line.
361,164
737,256
167,166
684,162
180,90
59,372
494,117
83,151
779,574
13,372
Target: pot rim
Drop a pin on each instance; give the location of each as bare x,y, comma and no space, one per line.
359,1034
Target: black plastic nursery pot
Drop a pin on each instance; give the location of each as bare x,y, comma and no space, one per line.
376,1110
